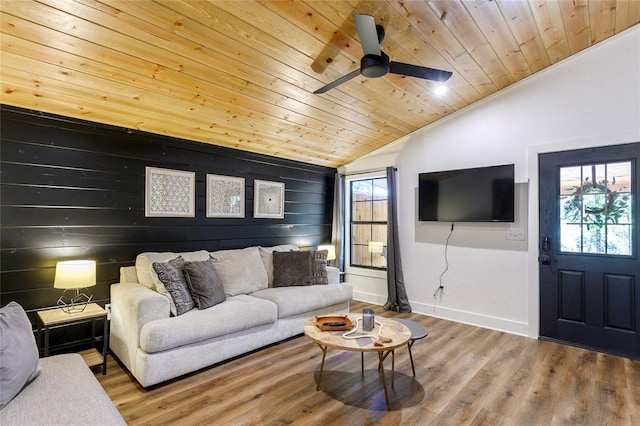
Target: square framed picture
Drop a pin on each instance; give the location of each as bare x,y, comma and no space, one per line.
268,199
225,196
169,193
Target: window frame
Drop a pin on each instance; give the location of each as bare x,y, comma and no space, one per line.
372,271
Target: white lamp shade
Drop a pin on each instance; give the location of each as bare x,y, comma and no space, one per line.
330,249
75,274
376,247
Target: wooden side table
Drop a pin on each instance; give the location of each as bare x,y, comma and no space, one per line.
56,318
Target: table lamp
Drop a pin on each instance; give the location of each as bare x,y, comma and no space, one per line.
74,275
331,251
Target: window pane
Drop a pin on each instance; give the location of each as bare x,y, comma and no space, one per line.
619,239
361,190
380,189
362,211
361,256
380,211
379,233
593,239
361,234
596,209
368,222
570,238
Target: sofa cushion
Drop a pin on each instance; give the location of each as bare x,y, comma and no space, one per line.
204,284
173,282
319,267
148,277
18,352
241,271
233,315
291,268
266,254
66,393
300,299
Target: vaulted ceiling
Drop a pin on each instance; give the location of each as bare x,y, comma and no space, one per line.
242,74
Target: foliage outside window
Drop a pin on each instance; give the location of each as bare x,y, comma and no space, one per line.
596,209
368,223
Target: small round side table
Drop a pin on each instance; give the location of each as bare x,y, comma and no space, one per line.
418,331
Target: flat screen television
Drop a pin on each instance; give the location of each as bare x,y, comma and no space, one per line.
483,194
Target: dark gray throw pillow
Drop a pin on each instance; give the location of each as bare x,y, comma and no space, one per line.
171,276
319,267
204,284
18,352
291,268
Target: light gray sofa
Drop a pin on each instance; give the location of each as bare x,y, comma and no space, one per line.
56,390
156,346
65,393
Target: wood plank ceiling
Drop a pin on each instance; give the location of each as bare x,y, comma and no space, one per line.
241,74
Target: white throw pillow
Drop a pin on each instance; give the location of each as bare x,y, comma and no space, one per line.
241,271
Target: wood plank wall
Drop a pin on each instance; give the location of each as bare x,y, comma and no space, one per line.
72,189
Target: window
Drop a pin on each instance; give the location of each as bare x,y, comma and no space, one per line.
596,208
368,199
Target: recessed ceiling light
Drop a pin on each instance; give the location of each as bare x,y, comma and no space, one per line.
441,90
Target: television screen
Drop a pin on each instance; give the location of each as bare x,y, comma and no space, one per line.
483,194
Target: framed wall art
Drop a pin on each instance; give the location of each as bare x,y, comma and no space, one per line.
268,199
169,193
225,196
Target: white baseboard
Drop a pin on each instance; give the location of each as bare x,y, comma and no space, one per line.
484,321
375,299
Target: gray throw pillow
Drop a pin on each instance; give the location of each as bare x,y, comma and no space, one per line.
171,276
291,268
18,352
204,284
319,267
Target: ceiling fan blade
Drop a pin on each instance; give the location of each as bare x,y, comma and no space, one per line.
368,34
338,82
418,71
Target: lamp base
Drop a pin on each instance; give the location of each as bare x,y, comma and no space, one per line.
76,303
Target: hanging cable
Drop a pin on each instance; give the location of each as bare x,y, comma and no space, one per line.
440,288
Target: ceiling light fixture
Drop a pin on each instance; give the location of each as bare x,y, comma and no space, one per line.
441,90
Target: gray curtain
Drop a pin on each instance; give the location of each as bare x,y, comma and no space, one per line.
337,227
397,299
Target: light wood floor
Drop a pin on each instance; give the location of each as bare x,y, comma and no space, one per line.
464,375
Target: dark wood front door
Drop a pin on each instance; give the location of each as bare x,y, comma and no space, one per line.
589,261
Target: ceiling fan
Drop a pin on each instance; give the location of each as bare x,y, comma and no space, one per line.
376,63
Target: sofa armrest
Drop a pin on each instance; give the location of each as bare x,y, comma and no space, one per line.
333,274
128,274
133,306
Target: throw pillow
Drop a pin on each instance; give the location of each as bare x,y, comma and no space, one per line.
18,352
148,277
204,284
291,268
266,254
171,276
319,267
241,271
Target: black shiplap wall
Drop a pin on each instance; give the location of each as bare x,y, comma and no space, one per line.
73,190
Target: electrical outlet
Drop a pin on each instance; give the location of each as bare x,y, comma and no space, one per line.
515,234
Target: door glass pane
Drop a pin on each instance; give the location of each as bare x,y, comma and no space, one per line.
596,209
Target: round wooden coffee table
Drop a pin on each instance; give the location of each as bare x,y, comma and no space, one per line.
385,327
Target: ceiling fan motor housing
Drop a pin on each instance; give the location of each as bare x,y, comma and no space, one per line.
374,66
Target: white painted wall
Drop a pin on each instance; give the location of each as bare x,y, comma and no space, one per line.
590,99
